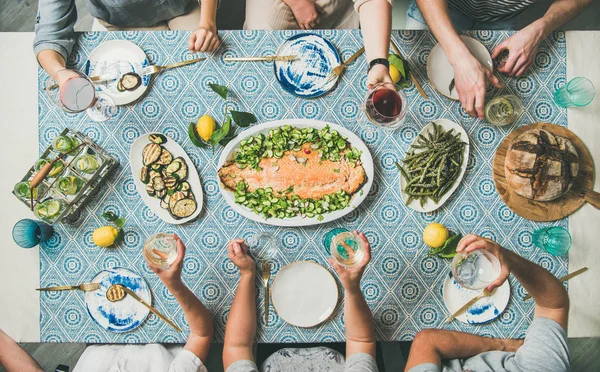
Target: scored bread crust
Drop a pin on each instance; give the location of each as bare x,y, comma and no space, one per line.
540,165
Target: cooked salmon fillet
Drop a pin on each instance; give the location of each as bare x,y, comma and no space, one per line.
312,179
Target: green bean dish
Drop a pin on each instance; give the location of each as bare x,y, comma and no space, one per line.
432,164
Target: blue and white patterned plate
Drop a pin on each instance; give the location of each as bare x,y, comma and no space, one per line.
119,316
484,310
306,75
117,57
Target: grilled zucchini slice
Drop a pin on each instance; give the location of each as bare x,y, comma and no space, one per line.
183,170
156,167
184,208
151,153
150,189
170,182
144,175
175,198
160,193
158,183
165,157
164,204
184,186
174,166
157,138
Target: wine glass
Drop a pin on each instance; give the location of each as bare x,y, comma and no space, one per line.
385,107
476,269
160,250
74,92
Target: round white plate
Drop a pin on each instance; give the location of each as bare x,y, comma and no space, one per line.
135,160
484,310
304,294
357,198
431,206
306,75
119,316
109,52
440,71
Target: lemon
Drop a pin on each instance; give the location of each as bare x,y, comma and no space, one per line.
205,127
105,236
435,235
395,74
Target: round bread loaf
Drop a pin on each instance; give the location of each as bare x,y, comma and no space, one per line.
540,165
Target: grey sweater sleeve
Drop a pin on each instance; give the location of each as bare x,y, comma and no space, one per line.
54,26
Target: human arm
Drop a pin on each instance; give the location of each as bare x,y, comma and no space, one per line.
434,345
550,296
241,323
54,33
470,76
523,45
376,27
360,333
306,13
205,38
15,359
196,315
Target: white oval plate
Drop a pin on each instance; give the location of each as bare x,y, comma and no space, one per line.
357,198
304,294
113,51
430,206
440,71
120,316
135,159
484,310
306,76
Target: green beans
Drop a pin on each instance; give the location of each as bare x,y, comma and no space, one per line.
280,204
330,144
432,165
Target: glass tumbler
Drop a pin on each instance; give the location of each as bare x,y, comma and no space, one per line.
578,92
29,233
554,240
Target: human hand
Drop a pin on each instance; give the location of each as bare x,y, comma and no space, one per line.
471,80
306,13
379,74
471,242
172,274
522,48
204,39
237,251
350,277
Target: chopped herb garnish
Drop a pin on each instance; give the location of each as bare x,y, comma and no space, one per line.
336,170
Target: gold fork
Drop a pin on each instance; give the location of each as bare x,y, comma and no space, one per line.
333,74
266,274
87,287
155,68
260,59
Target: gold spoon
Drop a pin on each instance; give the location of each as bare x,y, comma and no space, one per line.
117,292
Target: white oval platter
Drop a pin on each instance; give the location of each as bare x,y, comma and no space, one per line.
430,205
135,160
357,198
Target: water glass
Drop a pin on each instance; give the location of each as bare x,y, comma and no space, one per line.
29,233
160,250
476,269
578,92
262,245
554,240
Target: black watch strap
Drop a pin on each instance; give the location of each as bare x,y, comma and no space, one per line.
379,61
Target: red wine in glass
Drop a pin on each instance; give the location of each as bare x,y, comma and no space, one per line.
77,94
385,107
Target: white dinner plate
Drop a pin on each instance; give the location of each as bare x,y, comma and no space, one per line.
119,316
484,310
430,205
131,58
304,294
440,71
135,159
306,76
358,197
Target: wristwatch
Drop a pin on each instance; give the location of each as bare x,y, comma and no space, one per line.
379,61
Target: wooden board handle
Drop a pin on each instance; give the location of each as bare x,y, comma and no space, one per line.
41,174
592,197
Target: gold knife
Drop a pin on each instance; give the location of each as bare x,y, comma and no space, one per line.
412,76
484,293
132,294
84,287
258,59
564,278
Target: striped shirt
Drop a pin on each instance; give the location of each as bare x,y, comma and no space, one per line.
489,10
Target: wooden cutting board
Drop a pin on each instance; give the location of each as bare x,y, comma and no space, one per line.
557,208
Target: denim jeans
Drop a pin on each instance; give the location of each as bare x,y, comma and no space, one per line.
415,21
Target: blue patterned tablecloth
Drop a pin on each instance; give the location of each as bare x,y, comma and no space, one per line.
402,285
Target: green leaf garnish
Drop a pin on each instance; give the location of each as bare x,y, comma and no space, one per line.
222,132
194,137
219,89
243,119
